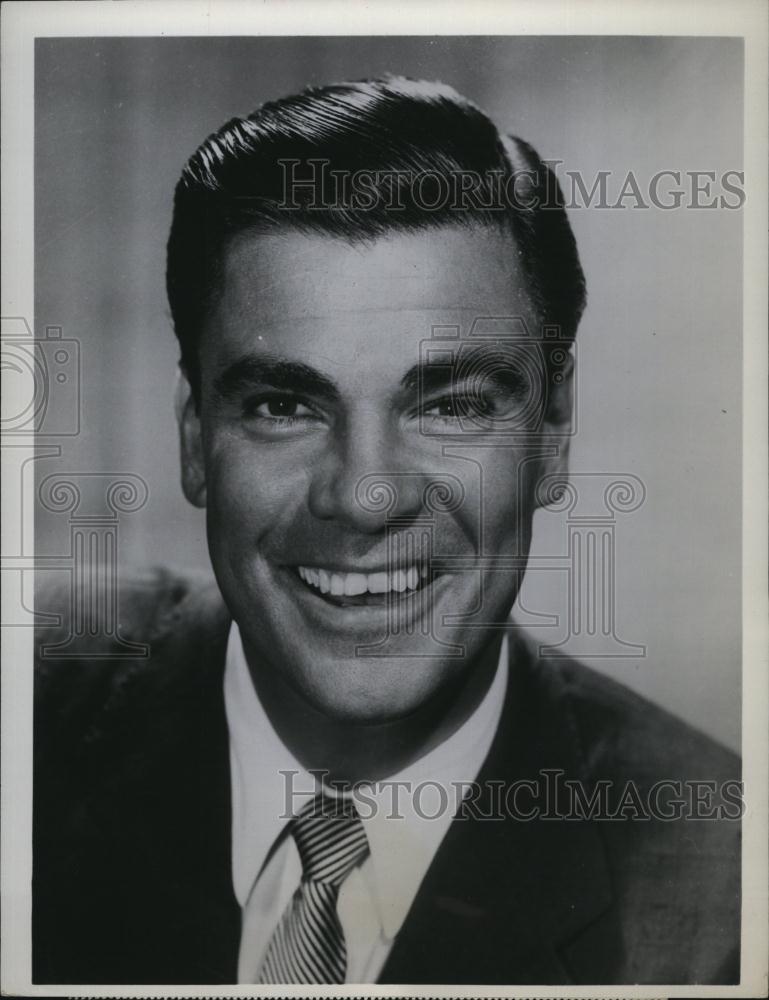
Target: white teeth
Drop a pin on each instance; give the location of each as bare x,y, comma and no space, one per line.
353,584
377,583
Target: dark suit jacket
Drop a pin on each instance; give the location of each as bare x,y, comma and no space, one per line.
132,876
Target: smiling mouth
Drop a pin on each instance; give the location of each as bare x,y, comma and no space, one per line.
368,589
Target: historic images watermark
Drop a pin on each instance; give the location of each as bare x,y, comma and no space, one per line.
42,412
549,795
312,184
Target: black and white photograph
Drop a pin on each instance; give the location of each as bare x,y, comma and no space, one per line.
384,542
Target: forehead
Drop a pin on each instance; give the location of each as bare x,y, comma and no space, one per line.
297,294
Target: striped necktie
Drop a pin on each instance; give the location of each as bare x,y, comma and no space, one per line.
308,944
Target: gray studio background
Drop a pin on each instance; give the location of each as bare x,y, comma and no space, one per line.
659,347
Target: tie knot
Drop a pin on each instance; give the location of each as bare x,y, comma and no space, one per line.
330,838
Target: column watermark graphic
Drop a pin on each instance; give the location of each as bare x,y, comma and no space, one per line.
93,502
591,502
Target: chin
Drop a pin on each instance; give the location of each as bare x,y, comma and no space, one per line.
370,690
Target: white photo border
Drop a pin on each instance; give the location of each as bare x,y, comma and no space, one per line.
23,22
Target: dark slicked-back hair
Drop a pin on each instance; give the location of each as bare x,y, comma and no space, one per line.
404,143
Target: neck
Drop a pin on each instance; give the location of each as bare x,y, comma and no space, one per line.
350,752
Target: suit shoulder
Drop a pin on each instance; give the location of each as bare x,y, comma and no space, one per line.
622,731
674,852
163,618
149,602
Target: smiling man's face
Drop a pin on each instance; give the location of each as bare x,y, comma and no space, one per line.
315,387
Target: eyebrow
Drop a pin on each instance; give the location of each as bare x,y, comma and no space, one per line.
428,378
252,370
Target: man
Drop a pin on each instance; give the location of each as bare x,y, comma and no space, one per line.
372,289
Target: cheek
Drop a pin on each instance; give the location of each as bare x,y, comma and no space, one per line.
500,502
250,489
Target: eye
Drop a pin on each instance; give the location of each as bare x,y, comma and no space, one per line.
447,408
457,405
277,409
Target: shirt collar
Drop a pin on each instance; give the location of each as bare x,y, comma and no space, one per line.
426,794
264,772
405,816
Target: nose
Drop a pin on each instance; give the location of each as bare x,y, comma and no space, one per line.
364,481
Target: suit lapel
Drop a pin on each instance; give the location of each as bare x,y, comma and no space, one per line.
208,897
499,900
503,895
164,816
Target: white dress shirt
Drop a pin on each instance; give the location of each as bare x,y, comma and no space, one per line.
404,830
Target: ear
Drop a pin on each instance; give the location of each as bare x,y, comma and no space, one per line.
191,443
558,420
